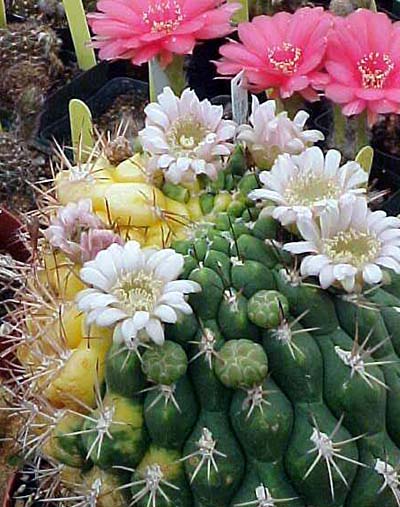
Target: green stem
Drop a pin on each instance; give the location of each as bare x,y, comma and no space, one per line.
339,125
3,17
293,104
241,15
80,33
362,132
278,101
173,76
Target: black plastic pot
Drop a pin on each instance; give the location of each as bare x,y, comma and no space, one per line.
390,7
98,88
202,73
386,173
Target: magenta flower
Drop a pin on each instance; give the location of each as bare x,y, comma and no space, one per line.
363,63
139,30
284,52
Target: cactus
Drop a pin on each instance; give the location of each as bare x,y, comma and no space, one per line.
17,174
259,7
29,58
210,373
51,10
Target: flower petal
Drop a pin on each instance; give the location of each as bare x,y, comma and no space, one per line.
155,331
166,314
372,273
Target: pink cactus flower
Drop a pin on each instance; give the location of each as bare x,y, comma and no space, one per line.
142,29
363,63
78,232
95,240
284,52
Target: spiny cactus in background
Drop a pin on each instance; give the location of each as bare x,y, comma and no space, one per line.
29,59
15,166
338,7
215,371
259,7
127,110
51,10
345,7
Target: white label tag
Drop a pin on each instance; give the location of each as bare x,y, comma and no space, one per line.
240,99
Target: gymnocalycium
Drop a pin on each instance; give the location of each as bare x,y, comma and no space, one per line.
196,332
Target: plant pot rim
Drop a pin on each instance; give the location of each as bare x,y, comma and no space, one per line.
10,489
99,85
9,241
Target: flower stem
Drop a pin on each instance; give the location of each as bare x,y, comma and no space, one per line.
80,33
264,7
242,14
278,101
173,76
293,104
339,126
3,18
362,132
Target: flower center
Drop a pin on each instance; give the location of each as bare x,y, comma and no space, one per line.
185,135
138,292
374,69
352,247
163,16
285,57
308,189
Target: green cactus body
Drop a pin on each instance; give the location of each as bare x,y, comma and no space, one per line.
169,424
267,395
358,388
215,478
124,363
66,445
115,435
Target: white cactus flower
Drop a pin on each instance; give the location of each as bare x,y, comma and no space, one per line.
135,291
270,134
186,137
349,245
307,184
